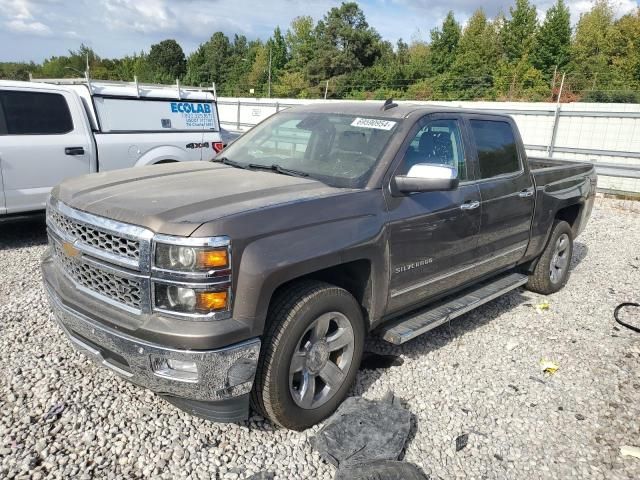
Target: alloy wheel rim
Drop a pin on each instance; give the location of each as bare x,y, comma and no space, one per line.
321,360
560,259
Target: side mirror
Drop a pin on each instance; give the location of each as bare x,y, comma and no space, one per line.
426,177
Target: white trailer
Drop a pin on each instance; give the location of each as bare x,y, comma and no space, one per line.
52,129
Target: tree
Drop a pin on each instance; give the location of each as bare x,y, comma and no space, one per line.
552,42
471,72
345,43
301,42
593,45
444,44
278,48
209,63
167,60
626,47
518,32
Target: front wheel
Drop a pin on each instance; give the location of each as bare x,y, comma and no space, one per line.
552,271
311,353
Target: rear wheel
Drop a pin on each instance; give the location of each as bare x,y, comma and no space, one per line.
552,271
310,356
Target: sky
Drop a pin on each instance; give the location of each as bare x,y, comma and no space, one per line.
38,29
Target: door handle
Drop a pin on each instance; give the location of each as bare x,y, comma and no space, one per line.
74,151
470,205
526,193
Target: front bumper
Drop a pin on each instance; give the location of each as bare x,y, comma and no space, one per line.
225,375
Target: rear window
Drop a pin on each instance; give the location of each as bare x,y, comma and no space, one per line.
496,145
153,115
35,113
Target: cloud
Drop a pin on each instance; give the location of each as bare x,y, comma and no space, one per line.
118,27
19,18
19,25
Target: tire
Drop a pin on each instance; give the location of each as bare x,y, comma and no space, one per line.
552,270
295,394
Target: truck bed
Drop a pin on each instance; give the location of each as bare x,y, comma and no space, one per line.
547,171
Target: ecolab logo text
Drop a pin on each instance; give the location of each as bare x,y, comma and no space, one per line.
182,107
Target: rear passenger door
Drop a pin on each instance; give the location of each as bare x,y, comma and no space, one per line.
41,145
506,192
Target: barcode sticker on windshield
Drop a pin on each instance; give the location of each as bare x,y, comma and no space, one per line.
373,123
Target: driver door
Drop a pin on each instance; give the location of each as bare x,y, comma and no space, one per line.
433,236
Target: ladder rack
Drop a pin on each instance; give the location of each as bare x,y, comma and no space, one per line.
91,83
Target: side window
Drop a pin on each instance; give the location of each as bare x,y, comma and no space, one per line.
35,113
496,145
438,142
3,123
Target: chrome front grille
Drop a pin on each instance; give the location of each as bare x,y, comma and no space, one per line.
112,260
96,238
127,291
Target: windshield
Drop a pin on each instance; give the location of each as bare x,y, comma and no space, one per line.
339,150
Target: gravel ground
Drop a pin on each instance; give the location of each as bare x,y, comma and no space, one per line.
480,376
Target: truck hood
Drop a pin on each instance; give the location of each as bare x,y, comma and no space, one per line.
175,199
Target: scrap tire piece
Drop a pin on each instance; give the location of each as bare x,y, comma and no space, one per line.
363,431
381,470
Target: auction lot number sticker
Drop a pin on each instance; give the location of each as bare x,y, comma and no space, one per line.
373,123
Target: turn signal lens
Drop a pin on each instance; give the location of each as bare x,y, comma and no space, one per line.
211,301
184,258
213,258
190,300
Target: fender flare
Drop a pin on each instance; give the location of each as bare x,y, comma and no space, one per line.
265,265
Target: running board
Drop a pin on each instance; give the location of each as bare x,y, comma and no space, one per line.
413,324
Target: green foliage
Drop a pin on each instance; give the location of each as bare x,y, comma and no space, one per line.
444,44
552,42
345,43
516,35
167,61
593,40
471,71
507,58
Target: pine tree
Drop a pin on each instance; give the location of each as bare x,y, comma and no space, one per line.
592,46
471,71
518,32
552,42
444,44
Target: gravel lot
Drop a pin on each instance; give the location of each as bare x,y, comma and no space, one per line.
480,375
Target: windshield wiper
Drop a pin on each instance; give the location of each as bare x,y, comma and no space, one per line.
231,163
277,168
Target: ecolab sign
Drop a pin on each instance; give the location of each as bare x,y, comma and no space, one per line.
184,107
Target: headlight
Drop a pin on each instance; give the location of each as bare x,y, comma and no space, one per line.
191,259
190,300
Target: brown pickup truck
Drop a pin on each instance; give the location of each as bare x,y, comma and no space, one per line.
256,277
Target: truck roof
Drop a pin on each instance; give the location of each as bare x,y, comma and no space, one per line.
36,85
375,108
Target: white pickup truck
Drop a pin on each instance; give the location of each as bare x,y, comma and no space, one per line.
55,129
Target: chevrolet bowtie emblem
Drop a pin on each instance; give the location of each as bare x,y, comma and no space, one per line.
70,250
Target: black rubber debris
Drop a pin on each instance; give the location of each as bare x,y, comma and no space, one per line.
381,470
262,476
54,412
363,431
462,441
374,361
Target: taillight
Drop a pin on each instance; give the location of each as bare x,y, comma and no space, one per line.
217,146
